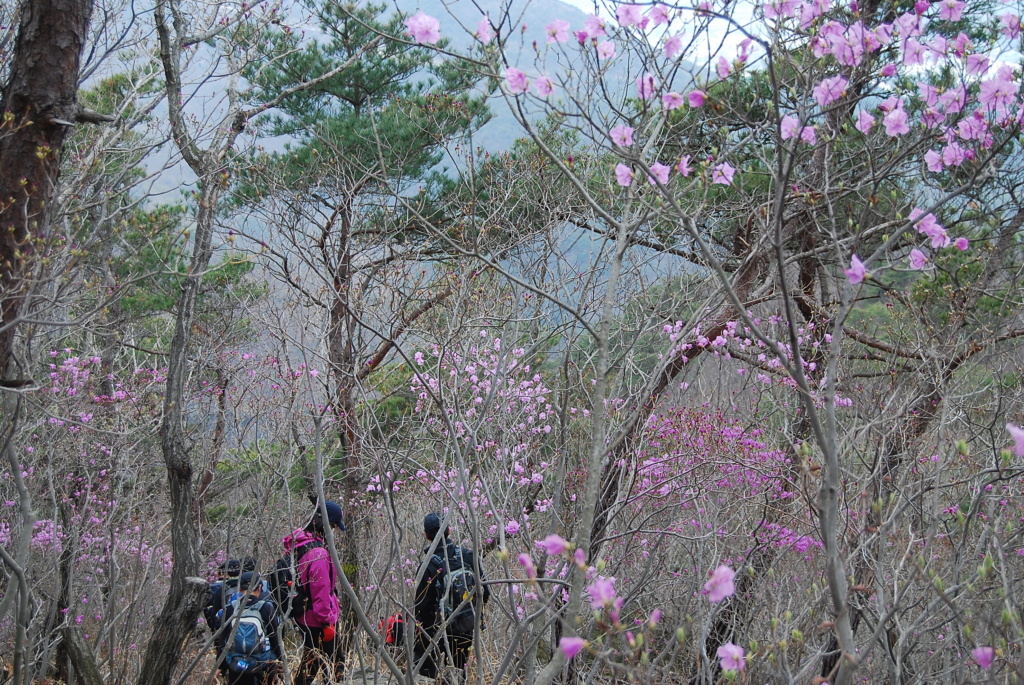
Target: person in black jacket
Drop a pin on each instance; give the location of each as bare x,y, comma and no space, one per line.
217,594
262,665
224,590
457,639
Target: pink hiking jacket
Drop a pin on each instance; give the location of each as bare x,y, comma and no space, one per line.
318,576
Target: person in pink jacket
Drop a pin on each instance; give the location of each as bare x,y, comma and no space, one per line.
318,578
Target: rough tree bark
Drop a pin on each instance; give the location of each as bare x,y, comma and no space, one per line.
39,105
184,597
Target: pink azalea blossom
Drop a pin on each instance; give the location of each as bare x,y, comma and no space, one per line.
571,646
954,154
888,70
951,10
526,561
696,98
977,64
601,592
744,52
655,618
855,274
913,52
622,135
553,545
673,46
1017,434
645,86
934,161
606,49
723,68
557,31
723,173
516,80
623,175
672,100
544,86
984,655
788,126
929,94
784,9
864,122
809,135
484,33
720,585
908,25
684,167
659,174
953,100
631,15
830,90
896,123
594,26
929,226
917,259
423,28
938,46
1010,25
962,244
997,94
732,657
932,117
940,239
658,14
512,527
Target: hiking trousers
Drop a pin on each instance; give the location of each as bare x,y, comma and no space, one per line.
319,655
264,676
455,645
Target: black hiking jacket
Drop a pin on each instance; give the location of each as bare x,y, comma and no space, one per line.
428,600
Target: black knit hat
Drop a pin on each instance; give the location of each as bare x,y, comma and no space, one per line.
432,525
248,580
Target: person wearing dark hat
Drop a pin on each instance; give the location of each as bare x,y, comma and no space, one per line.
317,577
449,601
219,592
250,642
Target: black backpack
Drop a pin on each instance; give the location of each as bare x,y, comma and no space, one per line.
456,592
291,597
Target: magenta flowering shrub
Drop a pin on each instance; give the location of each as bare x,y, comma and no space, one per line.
766,441
829,170
81,463
91,465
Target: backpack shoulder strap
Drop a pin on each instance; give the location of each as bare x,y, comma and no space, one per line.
442,564
309,546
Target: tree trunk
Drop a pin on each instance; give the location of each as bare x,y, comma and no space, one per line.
39,104
342,358
184,598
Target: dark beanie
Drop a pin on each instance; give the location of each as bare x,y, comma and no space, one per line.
248,580
431,525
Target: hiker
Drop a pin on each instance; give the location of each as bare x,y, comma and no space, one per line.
449,597
225,591
218,592
317,610
250,644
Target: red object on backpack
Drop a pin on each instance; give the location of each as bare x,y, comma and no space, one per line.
392,627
